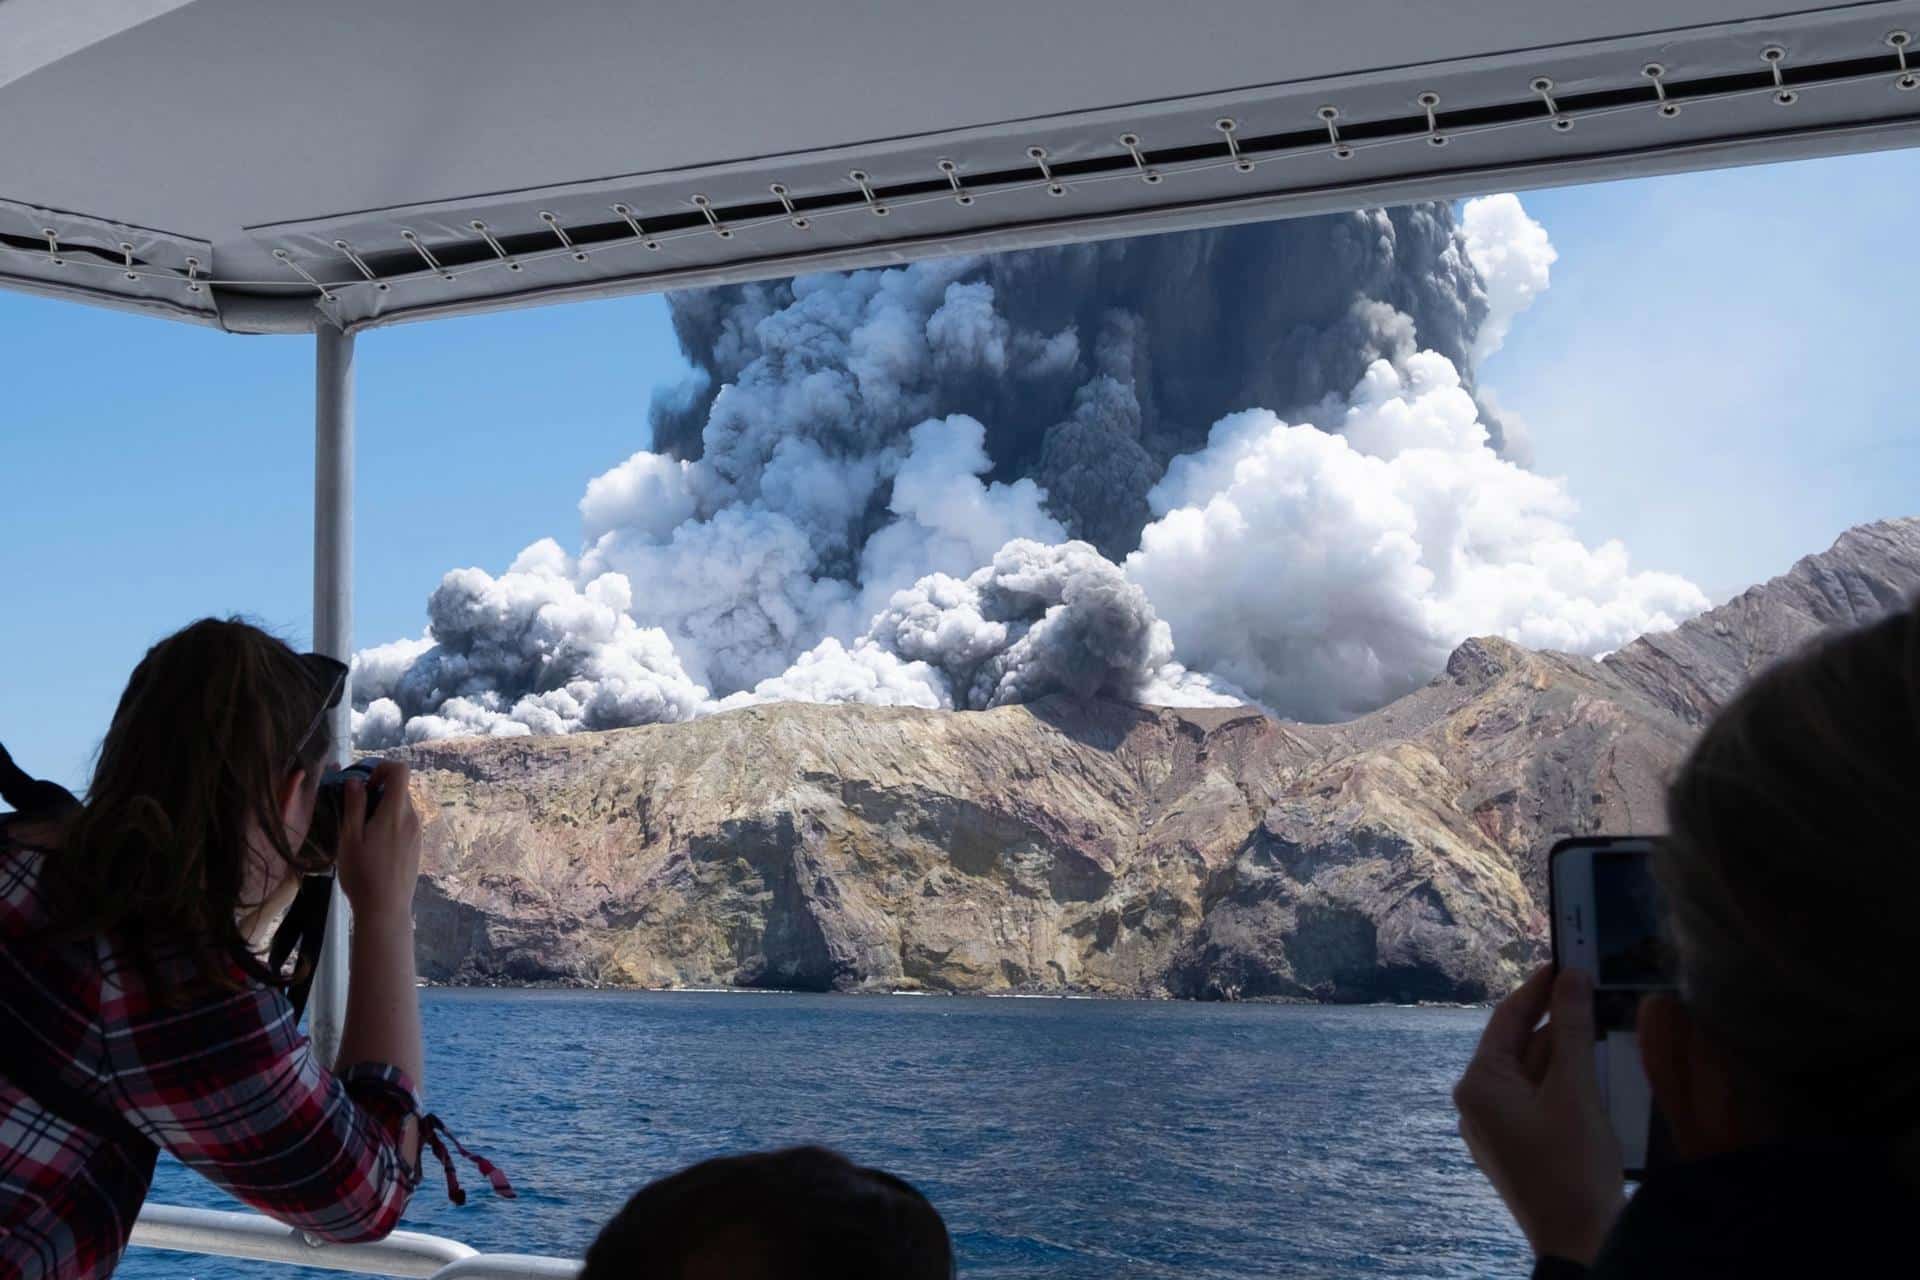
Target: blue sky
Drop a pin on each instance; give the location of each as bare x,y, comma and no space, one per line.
1724,366
1723,369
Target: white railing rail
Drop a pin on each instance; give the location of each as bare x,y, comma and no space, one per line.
222,1234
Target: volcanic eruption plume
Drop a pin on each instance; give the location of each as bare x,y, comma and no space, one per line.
1248,464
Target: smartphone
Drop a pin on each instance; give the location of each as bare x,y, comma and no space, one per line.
1608,923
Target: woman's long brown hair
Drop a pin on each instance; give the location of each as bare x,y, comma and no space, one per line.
208,730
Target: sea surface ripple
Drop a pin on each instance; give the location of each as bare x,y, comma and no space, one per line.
1060,1138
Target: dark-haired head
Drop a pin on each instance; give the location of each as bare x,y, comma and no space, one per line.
796,1214
200,800
1791,876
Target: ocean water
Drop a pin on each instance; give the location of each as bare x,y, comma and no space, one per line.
1060,1138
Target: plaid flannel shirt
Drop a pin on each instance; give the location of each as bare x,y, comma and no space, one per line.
224,1081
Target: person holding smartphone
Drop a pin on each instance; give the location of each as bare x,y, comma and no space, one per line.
135,1011
1785,1063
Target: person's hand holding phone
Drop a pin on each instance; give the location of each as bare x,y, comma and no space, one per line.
1532,1115
379,858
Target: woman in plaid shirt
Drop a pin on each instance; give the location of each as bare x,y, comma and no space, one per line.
135,1013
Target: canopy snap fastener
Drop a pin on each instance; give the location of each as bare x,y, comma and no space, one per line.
1329,115
1131,141
1544,87
126,252
360,264
859,179
499,250
426,254
633,224
1039,156
1657,73
53,246
1227,128
286,260
786,202
1428,101
560,234
1898,42
193,275
960,194
705,206
1775,57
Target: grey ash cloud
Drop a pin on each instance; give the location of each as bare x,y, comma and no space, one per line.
1242,463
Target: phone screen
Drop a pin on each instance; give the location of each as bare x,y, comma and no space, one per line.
1627,923
1608,921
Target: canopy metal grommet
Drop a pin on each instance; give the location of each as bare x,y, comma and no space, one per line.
859,178
1131,141
53,246
1229,128
286,260
1543,86
1657,73
705,206
1898,42
1329,116
426,254
360,265
786,202
633,224
499,250
1428,102
960,193
126,254
1775,57
560,234
1039,156
193,275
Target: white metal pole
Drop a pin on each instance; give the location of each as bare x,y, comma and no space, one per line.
333,630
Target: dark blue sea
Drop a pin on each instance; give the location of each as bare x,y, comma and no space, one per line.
1060,1138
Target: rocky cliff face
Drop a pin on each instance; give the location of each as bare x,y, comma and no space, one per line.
1089,846
1060,846
1693,669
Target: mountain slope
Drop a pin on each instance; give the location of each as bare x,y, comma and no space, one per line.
1693,669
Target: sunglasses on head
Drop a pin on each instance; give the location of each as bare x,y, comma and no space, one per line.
329,676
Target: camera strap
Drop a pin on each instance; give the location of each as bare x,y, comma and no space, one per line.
299,936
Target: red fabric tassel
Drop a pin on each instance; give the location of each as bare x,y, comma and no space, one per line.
432,1127
454,1193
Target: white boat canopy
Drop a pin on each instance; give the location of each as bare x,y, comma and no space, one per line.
276,166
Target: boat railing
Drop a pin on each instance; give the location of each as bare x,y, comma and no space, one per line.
221,1233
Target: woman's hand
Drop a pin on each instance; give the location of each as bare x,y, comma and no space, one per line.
379,858
1532,1115
379,862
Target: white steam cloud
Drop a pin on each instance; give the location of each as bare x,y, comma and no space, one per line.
1330,573
1513,256
866,512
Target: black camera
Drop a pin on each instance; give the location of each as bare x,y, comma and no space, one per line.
325,831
